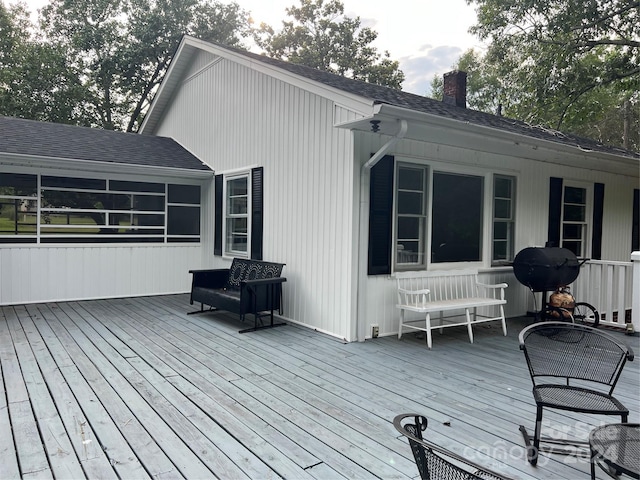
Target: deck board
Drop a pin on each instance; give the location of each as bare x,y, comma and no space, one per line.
135,388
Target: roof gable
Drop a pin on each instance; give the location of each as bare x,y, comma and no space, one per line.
370,94
54,140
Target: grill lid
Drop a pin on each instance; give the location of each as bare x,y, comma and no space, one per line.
544,269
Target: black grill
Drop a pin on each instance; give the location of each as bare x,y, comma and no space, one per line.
544,269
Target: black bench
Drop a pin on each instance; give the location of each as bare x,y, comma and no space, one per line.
249,286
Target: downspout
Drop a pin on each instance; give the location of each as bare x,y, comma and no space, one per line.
363,242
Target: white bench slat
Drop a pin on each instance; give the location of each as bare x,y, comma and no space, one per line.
446,291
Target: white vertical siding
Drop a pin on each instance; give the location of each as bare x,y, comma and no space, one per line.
232,117
42,273
532,204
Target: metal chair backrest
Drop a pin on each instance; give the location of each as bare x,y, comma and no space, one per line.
573,352
430,458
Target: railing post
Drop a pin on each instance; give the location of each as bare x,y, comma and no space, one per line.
635,303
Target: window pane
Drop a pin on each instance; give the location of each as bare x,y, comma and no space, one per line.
84,200
136,219
572,231
237,234
125,186
51,221
69,182
457,218
18,184
409,228
500,250
237,206
184,221
409,252
17,217
574,213
237,186
410,203
500,230
575,195
502,187
502,208
574,246
410,178
184,194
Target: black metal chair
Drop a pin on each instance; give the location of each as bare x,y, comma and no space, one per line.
436,463
573,367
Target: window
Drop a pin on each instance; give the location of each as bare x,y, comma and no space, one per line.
456,226
237,215
574,220
411,215
88,210
503,218
18,207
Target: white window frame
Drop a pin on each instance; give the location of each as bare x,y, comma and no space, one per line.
227,250
486,233
423,240
588,214
77,233
511,221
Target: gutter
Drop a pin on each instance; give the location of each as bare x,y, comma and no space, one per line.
97,166
365,174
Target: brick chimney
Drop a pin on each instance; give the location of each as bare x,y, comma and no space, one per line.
455,88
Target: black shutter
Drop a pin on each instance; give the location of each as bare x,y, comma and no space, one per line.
635,230
598,209
555,211
217,223
257,213
381,216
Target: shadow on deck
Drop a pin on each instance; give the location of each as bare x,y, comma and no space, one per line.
135,388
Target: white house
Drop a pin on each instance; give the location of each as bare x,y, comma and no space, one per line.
88,213
350,182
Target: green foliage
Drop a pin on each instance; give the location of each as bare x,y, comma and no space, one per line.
99,63
320,36
36,80
483,87
565,64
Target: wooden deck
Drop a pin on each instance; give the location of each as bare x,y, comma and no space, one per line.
135,388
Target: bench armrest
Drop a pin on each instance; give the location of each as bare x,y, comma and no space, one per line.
413,297
497,285
262,281
216,278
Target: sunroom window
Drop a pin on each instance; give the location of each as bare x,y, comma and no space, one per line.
52,209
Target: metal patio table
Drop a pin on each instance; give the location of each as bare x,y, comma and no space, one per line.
618,446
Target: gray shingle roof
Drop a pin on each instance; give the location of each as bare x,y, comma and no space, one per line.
390,96
30,137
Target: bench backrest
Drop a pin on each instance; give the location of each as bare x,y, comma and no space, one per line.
442,285
243,269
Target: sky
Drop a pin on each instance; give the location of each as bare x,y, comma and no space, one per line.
426,36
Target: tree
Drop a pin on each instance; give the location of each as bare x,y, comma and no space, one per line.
483,87
119,50
36,80
320,36
563,63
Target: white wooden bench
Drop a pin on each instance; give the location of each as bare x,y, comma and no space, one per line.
447,291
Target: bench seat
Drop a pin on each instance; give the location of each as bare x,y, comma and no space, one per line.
448,291
248,287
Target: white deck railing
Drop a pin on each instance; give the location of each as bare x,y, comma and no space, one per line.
613,288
